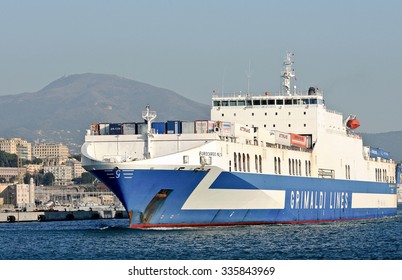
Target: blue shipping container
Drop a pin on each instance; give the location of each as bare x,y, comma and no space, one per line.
379,153
173,127
115,129
159,127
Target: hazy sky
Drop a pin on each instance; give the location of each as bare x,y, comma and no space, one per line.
351,49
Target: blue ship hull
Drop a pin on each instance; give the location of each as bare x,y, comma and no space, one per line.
156,198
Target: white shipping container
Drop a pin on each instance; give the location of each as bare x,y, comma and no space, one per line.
211,126
104,129
129,128
187,127
242,131
282,138
201,126
142,128
225,128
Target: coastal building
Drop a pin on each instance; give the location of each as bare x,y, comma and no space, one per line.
76,167
21,196
18,146
62,174
51,154
33,168
12,173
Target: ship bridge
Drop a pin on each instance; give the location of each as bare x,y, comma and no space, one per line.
293,114
289,111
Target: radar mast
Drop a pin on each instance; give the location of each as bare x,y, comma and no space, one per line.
288,73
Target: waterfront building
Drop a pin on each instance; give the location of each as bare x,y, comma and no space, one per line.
18,146
51,154
8,173
62,174
76,167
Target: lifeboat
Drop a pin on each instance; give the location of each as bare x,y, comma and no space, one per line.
353,123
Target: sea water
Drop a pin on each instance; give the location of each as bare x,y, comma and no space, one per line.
112,239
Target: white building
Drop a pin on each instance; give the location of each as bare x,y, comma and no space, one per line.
62,174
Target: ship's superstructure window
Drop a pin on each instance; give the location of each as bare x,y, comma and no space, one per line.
244,162
381,175
239,157
248,163
250,102
307,167
277,165
260,165
347,170
256,163
299,167
235,161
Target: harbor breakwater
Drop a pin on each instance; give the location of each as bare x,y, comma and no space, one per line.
43,216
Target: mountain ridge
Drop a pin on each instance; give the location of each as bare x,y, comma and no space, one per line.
62,110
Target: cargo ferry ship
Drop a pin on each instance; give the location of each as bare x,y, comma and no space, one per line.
260,159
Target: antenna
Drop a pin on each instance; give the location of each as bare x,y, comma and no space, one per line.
288,72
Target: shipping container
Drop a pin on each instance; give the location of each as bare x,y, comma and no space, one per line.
243,132
282,138
95,129
159,127
115,129
173,127
379,153
201,126
187,127
129,128
225,128
142,128
298,140
204,126
103,128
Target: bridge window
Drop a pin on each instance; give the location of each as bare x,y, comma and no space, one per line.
217,103
225,103
241,103
271,101
257,102
279,102
264,102
233,103
288,102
